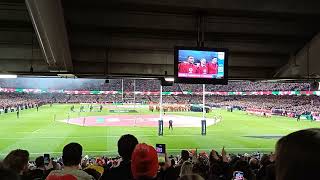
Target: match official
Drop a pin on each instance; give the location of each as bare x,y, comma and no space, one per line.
170,124
18,112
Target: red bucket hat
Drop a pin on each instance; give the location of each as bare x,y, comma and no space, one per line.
144,161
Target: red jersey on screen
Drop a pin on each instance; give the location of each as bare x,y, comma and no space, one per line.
212,68
187,68
202,70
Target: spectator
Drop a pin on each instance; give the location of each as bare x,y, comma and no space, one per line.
191,177
186,168
173,162
6,174
297,155
244,167
17,161
144,163
270,172
185,156
126,145
218,165
71,157
264,162
201,166
55,165
40,171
254,165
95,171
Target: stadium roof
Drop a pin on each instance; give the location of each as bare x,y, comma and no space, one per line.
94,38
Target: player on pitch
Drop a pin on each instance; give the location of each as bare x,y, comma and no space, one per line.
170,124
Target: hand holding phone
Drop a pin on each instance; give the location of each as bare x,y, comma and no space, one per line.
161,151
238,175
46,159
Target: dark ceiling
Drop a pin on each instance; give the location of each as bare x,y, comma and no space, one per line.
136,37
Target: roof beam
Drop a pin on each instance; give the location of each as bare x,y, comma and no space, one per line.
213,6
48,22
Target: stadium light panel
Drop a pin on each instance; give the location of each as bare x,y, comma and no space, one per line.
170,79
8,76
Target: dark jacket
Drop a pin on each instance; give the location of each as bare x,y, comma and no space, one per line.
37,174
122,172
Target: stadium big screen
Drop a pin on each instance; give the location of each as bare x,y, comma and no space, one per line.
201,65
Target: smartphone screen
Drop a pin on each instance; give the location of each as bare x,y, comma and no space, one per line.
161,151
238,175
46,158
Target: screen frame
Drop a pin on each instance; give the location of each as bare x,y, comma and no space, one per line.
177,79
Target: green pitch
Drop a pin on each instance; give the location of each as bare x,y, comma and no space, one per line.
43,132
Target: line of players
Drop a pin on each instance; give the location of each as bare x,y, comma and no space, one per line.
203,67
82,108
170,108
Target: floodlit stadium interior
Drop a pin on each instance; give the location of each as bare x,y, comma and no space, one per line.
159,90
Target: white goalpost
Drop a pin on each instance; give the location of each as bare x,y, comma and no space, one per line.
131,99
203,121
160,104
203,102
160,122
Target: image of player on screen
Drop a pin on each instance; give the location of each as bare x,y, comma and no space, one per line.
213,66
202,68
187,66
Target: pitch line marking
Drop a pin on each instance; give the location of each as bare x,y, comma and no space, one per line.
36,130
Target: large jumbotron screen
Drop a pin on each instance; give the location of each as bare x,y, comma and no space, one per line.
201,65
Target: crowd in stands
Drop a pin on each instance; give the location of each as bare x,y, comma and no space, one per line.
10,102
295,158
297,104
146,85
15,101
289,103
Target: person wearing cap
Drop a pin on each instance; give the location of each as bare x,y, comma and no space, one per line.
144,165
126,145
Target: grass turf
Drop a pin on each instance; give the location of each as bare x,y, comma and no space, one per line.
42,132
